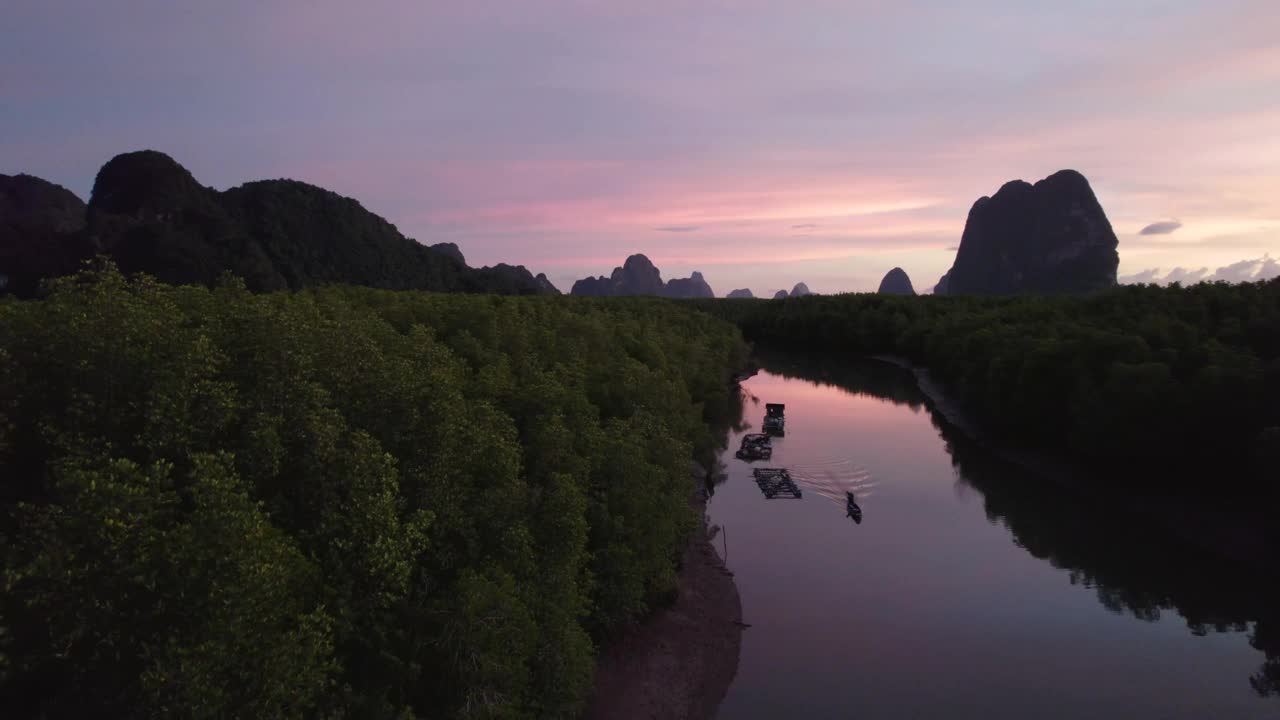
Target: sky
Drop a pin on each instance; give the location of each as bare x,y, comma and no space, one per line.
762,143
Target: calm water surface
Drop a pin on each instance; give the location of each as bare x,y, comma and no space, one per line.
969,590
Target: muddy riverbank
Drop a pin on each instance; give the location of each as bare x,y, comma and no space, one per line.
679,662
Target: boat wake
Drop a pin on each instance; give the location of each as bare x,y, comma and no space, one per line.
832,480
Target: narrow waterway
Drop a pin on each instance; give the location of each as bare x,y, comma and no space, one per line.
968,589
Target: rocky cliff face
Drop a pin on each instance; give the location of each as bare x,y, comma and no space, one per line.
450,249
944,283
146,185
896,282
693,286
638,276
1050,237
740,294
151,215
29,203
593,287
40,237
799,290
544,285
505,279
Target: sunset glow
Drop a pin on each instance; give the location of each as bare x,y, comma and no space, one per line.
763,143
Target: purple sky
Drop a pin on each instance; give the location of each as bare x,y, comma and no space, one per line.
763,143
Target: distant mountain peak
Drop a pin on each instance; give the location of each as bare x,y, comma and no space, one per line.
143,182
40,232
545,285
1050,237
639,276
896,282
449,250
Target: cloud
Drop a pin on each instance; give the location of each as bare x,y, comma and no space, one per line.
1145,277
679,228
1186,277
1270,268
953,248
1263,268
1163,227
805,226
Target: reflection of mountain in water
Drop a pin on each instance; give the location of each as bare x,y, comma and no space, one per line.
851,374
1132,566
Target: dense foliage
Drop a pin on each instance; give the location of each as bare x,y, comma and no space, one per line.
1167,378
338,502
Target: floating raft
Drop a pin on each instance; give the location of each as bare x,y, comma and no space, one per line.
776,483
755,446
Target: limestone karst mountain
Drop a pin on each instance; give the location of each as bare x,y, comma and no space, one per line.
638,276
149,214
896,282
1050,237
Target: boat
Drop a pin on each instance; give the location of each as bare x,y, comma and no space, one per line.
776,482
755,446
775,422
851,506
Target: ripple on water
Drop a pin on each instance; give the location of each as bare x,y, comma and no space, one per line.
833,478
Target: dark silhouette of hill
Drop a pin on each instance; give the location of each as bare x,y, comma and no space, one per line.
896,282
638,276
150,215
741,293
800,290
40,232
1052,237
450,249
693,286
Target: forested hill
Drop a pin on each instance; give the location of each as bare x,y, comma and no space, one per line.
338,502
1157,383
150,215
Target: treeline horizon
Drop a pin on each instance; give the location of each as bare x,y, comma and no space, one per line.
339,501
1164,381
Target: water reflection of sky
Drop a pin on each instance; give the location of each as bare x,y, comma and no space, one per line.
928,608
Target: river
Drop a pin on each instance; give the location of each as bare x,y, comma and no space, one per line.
969,589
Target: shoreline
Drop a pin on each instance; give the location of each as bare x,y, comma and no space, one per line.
1232,536
677,663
